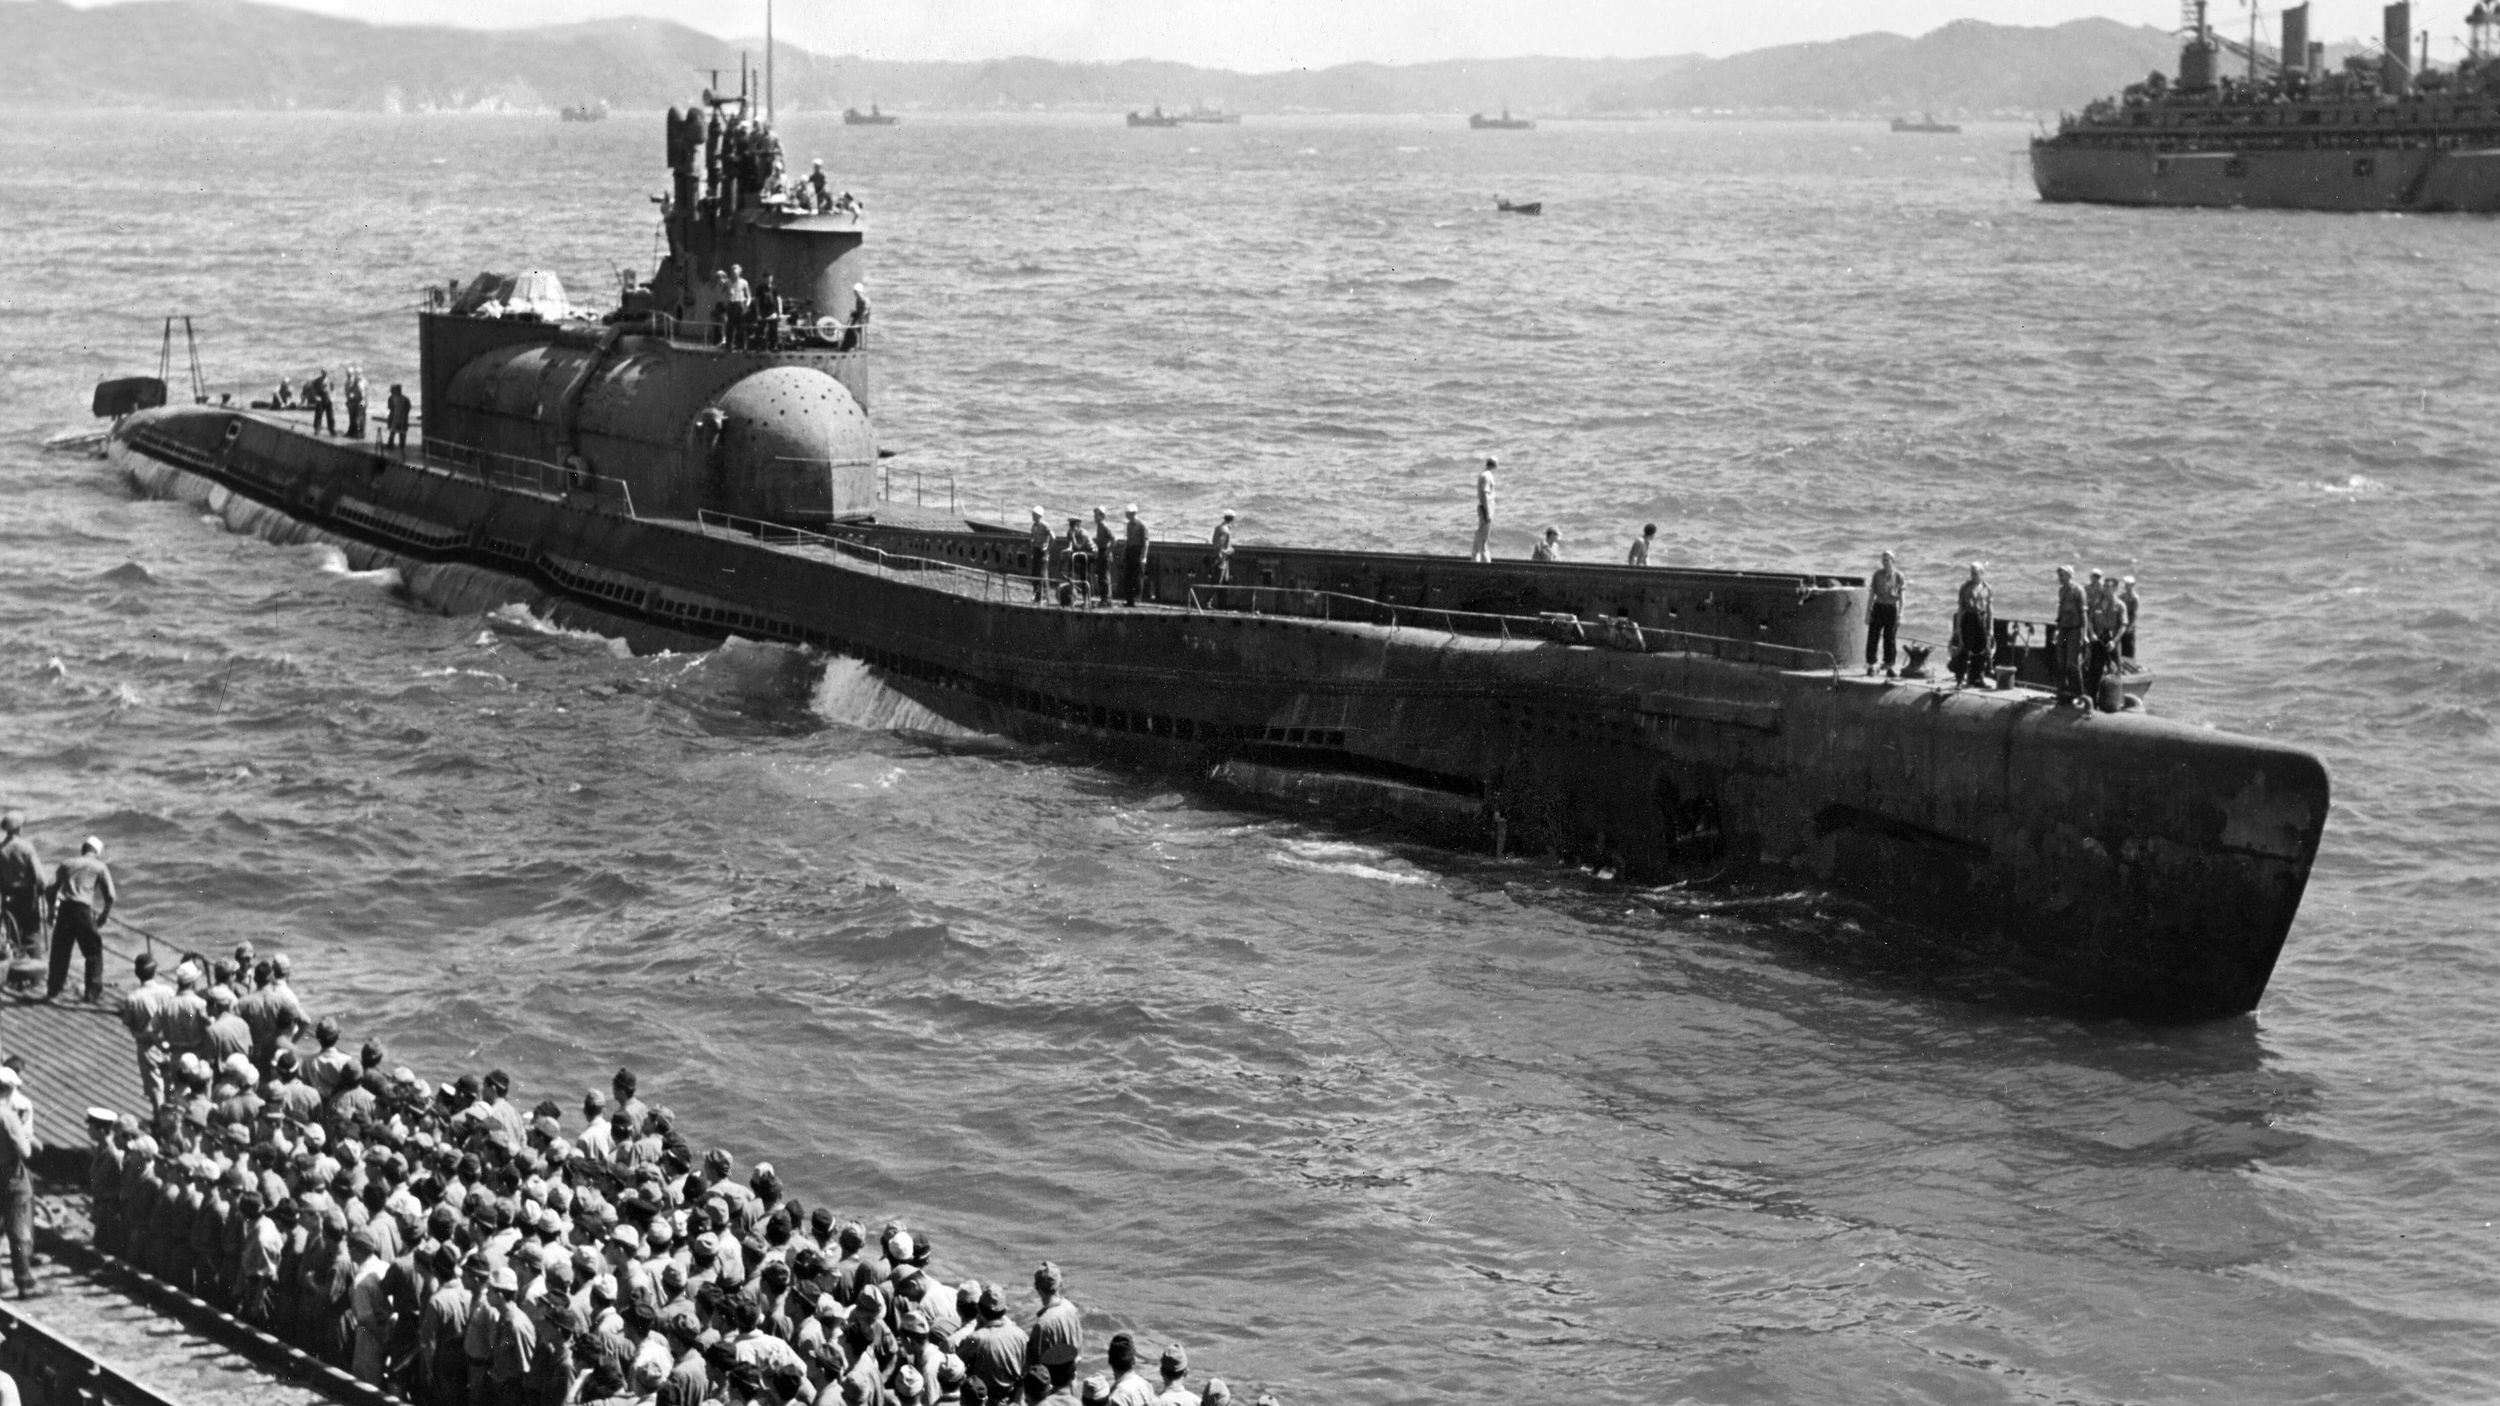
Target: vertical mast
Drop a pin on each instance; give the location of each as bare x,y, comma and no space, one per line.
768,62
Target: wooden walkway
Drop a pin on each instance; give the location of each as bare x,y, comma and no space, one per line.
73,1057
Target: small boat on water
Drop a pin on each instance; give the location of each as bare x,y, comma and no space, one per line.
1156,118
873,117
586,112
1477,121
1926,123
1519,207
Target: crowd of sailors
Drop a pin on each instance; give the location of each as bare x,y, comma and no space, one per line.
444,1241
2091,638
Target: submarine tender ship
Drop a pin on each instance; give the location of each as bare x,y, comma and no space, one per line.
2388,132
675,465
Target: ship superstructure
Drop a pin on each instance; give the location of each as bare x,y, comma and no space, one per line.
2386,131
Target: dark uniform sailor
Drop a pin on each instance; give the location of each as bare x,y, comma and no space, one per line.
1102,555
21,886
1133,558
395,418
1080,574
317,397
1883,612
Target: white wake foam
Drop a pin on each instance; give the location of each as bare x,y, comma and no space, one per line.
850,693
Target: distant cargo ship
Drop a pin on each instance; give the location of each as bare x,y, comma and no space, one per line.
1212,116
1503,123
1156,118
1926,123
2389,133
853,117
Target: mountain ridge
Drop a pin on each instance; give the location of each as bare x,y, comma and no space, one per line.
248,55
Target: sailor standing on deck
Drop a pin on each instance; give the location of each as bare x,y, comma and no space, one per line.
1549,546
1040,535
144,1011
395,418
1223,542
719,313
82,902
1974,619
2068,628
1483,550
2126,638
17,1186
317,398
857,328
21,886
2109,620
1102,554
1883,612
1080,572
1132,557
741,305
1639,555
355,401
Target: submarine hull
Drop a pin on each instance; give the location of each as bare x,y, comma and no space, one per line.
2137,865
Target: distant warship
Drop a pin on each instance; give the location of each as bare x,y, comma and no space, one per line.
2387,133
697,465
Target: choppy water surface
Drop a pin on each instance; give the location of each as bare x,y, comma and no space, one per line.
1355,1120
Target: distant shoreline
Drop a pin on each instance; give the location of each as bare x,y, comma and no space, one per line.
1072,115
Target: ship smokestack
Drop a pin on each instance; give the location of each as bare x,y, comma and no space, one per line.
2295,54
2196,57
2396,49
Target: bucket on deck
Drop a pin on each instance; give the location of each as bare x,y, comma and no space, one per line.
2113,693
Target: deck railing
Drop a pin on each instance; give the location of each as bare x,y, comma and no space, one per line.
519,473
984,583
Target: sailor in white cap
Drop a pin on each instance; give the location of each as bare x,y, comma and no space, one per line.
1133,557
1223,543
1039,533
17,1186
1102,554
82,902
858,327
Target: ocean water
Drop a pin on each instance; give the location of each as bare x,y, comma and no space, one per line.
1356,1120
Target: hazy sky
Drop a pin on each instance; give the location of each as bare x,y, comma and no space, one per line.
1275,34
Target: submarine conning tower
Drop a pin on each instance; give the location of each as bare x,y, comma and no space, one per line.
673,398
